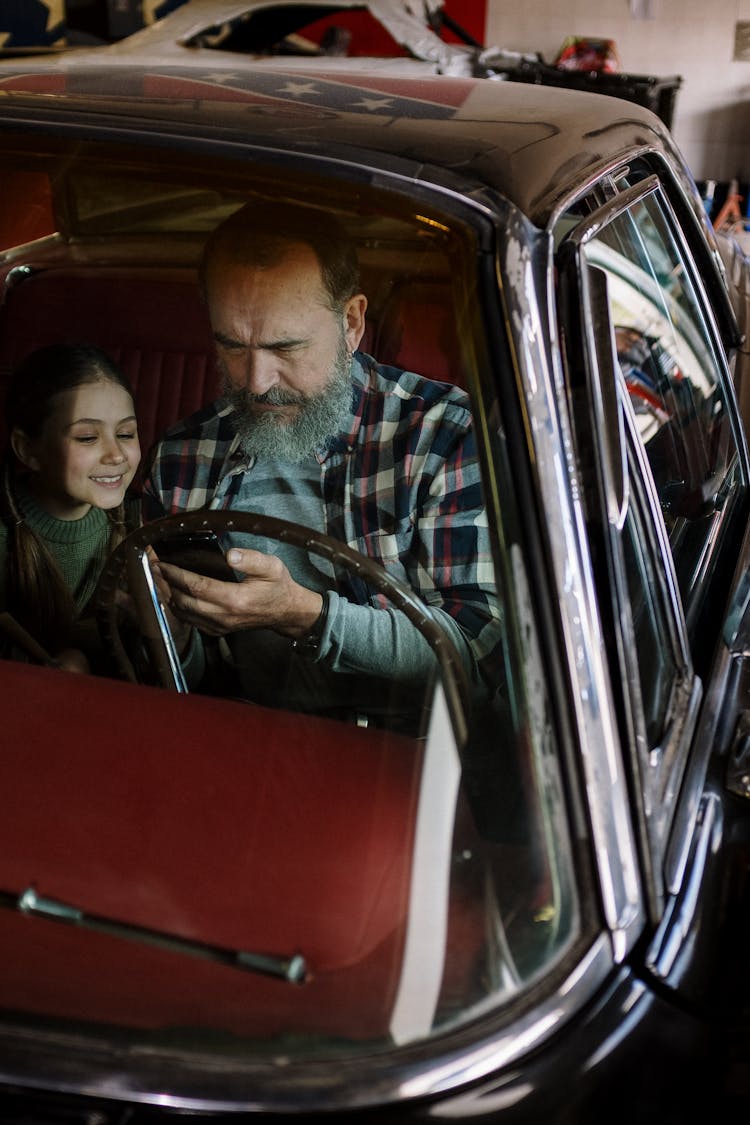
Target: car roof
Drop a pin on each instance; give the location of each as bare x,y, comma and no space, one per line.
532,144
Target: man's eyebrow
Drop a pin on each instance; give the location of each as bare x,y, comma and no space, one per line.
228,341
265,345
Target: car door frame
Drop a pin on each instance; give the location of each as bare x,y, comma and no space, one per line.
602,444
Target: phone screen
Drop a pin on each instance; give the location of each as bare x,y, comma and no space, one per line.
198,551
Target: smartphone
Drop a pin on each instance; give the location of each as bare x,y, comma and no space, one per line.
199,551
154,624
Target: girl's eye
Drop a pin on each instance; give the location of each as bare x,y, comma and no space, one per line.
85,439
130,436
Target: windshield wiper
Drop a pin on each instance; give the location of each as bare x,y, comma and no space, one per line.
292,969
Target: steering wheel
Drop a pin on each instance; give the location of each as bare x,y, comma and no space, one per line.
128,558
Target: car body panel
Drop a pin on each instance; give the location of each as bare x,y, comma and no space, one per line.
205,828
405,37
523,156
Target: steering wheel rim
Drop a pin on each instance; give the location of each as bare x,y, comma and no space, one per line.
220,522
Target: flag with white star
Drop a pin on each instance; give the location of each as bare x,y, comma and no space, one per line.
372,95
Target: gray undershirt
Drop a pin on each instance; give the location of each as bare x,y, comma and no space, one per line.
357,638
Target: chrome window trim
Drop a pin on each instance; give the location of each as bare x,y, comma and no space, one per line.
188,1080
615,206
525,1034
659,539
724,685
589,228
623,201
707,307
687,798
668,769
548,427
603,178
657,770
665,768
668,943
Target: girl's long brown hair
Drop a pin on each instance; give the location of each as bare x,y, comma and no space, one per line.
36,593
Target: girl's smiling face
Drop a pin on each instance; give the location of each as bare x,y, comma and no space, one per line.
86,453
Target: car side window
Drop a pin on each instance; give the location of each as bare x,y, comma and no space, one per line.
673,373
644,329
656,666
661,688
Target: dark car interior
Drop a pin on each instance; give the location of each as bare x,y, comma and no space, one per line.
109,255
145,309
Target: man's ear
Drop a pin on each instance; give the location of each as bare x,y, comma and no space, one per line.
21,445
354,320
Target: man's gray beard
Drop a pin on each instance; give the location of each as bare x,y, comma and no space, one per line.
320,417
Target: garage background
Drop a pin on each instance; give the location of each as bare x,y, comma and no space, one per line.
707,44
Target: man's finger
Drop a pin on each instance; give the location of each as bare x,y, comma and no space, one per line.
197,585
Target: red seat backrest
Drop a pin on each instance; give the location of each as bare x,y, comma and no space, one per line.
153,324
417,331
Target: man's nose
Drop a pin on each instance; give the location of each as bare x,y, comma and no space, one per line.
260,371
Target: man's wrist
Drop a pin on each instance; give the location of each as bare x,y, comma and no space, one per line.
308,644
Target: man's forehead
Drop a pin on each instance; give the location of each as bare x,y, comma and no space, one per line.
297,267
284,254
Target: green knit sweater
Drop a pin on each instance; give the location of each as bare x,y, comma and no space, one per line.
79,547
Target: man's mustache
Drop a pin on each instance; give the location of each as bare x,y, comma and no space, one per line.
274,396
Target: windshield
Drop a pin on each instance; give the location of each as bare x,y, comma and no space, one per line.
357,775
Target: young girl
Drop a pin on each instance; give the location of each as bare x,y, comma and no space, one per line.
73,453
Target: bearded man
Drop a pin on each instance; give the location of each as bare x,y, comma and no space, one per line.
311,430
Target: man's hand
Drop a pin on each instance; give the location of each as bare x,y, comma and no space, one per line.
266,598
